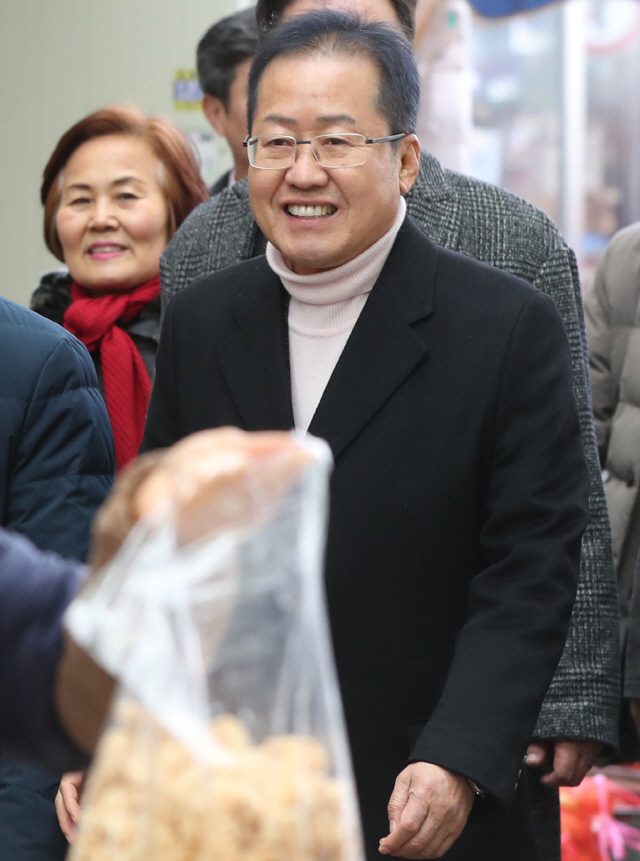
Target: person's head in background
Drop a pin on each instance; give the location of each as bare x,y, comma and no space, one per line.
116,188
400,13
223,58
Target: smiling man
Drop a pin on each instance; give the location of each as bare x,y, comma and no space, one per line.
443,387
490,224
315,223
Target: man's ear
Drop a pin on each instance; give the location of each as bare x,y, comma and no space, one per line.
215,112
409,153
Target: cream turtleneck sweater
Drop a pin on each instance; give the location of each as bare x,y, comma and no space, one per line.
323,310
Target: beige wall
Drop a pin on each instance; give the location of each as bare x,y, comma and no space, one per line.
61,59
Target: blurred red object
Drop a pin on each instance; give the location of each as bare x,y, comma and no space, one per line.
589,830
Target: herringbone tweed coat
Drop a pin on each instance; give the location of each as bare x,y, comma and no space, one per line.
487,223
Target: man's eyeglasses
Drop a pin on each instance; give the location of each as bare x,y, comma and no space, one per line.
275,152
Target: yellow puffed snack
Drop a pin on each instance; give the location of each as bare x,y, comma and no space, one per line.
149,799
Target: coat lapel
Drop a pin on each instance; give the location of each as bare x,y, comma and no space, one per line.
383,349
381,352
255,359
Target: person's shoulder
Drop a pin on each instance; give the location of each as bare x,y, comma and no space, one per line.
52,296
204,218
460,271
24,326
618,272
492,206
217,234
481,282
625,240
195,224
467,292
33,346
220,288
475,297
485,221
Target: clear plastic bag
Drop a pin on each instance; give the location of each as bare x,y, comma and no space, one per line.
227,739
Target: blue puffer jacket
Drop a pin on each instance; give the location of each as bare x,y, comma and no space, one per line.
56,448
56,467
35,590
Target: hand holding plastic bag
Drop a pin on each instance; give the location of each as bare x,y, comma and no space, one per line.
227,739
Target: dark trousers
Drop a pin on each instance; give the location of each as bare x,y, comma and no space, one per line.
29,829
545,809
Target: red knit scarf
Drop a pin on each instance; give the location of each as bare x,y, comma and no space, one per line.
127,386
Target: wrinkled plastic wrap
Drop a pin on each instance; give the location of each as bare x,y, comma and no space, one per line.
226,740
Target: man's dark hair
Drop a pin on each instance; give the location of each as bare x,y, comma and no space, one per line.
333,34
223,47
269,13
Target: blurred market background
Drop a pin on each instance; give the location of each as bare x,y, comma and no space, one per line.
543,102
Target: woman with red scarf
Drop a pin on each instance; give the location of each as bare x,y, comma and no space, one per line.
115,190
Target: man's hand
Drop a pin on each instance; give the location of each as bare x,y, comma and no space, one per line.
565,761
428,809
68,802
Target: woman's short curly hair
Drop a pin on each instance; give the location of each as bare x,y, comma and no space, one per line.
180,180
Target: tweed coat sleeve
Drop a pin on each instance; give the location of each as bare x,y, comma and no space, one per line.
632,662
60,461
492,225
583,699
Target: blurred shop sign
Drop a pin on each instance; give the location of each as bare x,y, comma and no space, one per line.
187,95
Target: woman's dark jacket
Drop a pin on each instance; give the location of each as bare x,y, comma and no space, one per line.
53,296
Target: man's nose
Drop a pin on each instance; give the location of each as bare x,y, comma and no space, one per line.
306,170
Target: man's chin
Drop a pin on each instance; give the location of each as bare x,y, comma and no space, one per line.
309,266
306,261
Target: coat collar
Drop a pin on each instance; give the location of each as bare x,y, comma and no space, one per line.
433,203
232,209
381,352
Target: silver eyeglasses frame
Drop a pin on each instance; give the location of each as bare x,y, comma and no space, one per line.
251,139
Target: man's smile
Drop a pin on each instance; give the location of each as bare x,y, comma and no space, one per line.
308,211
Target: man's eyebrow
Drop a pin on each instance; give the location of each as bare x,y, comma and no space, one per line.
325,120
336,118
278,118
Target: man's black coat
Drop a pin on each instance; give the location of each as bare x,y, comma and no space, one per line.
458,501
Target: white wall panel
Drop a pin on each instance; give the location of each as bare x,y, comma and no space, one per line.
62,59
